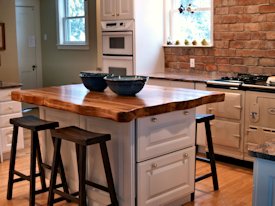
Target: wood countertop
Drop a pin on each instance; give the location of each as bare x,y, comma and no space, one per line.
152,100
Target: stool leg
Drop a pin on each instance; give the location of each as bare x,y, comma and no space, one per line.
39,162
108,172
62,174
33,168
56,159
211,155
82,175
12,162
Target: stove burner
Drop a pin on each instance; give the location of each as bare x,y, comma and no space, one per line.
247,78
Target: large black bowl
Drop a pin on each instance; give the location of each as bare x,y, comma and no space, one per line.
126,85
94,81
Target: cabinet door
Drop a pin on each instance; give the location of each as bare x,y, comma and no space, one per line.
5,94
6,138
10,107
108,11
163,180
226,133
124,9
164,133
230,108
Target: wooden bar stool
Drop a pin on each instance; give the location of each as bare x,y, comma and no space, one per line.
82,139
34,124
200,118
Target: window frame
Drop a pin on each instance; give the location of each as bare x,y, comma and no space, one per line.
168,28
61,11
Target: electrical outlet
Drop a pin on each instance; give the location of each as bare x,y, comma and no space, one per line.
192,63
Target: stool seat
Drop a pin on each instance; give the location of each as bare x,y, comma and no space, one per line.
204,117
80,136
33,123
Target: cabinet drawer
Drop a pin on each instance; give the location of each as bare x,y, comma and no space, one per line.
10,107
226,133
5,119
161,134
5,94
165,179
6,138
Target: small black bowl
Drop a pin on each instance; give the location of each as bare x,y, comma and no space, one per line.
126,85
94,81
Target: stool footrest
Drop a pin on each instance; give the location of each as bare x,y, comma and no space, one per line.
203,177
23,177
67,196
100,187
203,159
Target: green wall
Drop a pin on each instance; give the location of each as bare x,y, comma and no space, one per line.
63,66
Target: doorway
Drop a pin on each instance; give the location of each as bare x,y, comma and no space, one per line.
28,43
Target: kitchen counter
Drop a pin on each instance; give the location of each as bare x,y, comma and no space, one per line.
151,100
9,85
152,139
189,76
263,173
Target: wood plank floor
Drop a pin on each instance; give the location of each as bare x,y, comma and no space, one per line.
235,186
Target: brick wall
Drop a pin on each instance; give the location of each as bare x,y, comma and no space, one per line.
244,40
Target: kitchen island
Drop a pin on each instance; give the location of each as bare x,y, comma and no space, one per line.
152,150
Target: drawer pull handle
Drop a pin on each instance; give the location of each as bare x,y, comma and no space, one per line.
154,119
154,165
185,112
185,156
117,14
113,14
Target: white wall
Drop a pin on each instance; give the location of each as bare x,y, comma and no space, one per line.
9,63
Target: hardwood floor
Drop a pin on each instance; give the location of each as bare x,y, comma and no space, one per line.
235,186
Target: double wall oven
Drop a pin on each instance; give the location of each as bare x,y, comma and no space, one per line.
247,116
117,48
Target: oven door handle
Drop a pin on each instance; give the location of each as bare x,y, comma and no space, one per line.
117,57
125,33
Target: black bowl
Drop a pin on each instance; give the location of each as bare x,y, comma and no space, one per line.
94,81
126,85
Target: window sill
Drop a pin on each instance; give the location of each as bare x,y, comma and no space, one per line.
73,47
188,46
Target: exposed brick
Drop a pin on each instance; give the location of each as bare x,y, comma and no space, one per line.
183,65
251,61
221,44
232,52
203,51
251,9
250,53
221,52
270,53
251,27
270,17
255,70
187,51
236,61
252,2
223,36
171,58
267,9
217,3
269,44
205,59
268,62
224,68
222,60
236,44
270,35
221,10
268,26
272,1
268,70
210,67
236,27
236,10
229,19
244,18
167,50
221,27
253,44
182,58
258,18
258,35
232,2
241,69
243,36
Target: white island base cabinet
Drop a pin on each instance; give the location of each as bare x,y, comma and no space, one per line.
165,177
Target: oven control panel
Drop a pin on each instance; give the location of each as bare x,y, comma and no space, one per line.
119,25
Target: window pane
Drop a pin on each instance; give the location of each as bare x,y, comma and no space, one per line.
75,8
190,26
75,30
195,3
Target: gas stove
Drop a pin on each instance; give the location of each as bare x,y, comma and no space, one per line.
241,81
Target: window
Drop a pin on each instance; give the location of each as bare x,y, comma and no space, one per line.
72,24
189,22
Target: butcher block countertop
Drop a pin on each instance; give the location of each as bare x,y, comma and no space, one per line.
152,100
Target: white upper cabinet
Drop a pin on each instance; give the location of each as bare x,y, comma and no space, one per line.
116,9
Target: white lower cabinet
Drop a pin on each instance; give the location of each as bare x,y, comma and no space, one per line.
166,179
